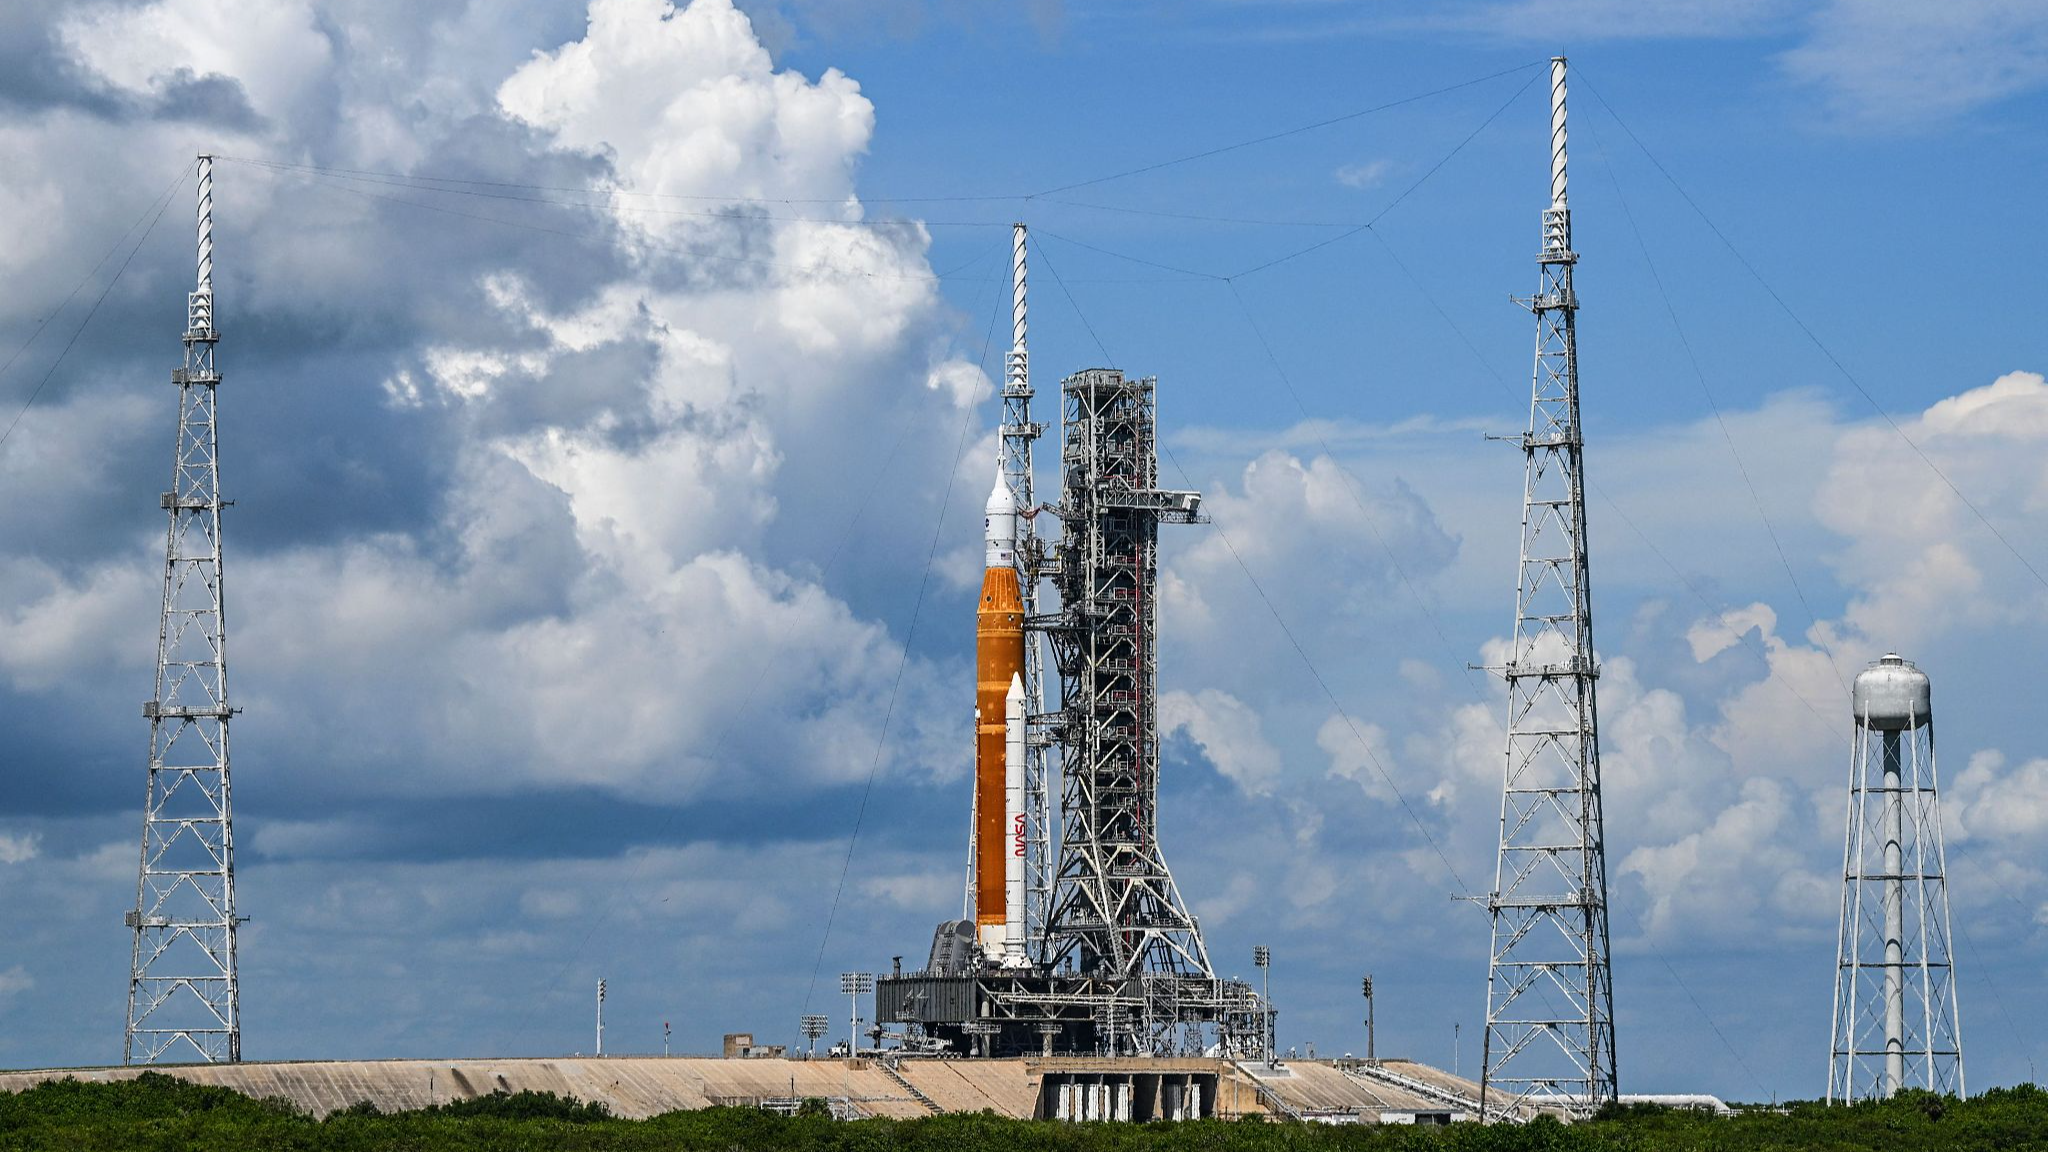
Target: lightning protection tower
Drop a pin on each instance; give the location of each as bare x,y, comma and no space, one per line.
1895,1019
1549,1001
183,1000
1019,434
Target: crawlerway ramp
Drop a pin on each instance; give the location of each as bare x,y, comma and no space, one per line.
639,1086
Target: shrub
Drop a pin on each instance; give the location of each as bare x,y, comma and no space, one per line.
526,1106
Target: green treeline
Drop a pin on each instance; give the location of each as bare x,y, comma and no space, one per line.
159,1112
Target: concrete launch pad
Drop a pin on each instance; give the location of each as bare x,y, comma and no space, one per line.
1060,1087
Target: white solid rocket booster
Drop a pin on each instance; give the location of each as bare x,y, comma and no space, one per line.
1013,810
999,657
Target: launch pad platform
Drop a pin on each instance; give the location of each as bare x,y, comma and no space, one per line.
1009,1013
1076,1088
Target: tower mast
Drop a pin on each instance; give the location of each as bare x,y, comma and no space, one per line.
1019,433
1118,918
1549,997
183,999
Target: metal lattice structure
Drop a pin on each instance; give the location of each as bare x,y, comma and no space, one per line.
1116,911
1549,996
1122,969
183,999
1019,434
1896,1021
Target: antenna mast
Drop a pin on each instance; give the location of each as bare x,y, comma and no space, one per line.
1549,996
183,999
1019,433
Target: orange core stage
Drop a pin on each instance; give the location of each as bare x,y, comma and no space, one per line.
998,657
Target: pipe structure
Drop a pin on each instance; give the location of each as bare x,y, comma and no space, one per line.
1557,134
1894,920
1017,366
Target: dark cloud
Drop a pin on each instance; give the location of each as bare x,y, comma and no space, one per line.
37,74
214,100
581,672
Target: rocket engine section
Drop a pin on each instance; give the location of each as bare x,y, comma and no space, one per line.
998,783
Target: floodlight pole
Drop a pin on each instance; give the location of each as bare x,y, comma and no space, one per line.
814,1027
853,984
1369,1058
1262,956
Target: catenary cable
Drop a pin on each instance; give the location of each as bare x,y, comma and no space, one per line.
1810,335
603,189
2005,1015
601,238
1416,594
1300,651
149,213
1205,154
160,204
1319,245
902,665
733,217
1350,486
1714,406
987,198
952,275
1814,338
1405,192
1720,613
1163,214
1273,358
1959,851
726,733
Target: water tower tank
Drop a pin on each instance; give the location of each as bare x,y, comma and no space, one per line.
1892,695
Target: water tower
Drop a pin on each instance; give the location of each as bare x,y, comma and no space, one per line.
1895,1020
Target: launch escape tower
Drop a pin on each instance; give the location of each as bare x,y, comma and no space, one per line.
1896,1023
183,1000
1549,998
1113,963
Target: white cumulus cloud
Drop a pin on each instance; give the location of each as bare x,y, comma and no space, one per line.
1228,733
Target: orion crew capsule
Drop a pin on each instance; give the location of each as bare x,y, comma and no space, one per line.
999,738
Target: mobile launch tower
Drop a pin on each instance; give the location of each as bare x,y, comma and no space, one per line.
1110,962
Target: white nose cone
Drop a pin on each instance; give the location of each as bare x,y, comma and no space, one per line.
999,524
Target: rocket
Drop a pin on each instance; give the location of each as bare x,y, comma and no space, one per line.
999,739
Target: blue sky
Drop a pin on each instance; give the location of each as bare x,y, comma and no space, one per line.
578,546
